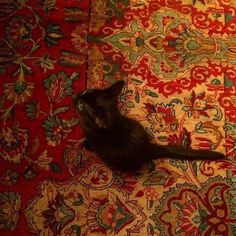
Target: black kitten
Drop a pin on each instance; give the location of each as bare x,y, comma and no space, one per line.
119,141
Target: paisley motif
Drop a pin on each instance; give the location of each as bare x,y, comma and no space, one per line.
177,58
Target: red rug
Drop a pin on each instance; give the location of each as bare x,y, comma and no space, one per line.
178,60
42,63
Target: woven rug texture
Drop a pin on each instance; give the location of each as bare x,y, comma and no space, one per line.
178,59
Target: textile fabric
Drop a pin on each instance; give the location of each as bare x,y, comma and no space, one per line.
177,58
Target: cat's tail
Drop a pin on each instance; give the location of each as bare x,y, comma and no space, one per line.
174,152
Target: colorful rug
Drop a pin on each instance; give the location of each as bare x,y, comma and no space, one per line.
178,60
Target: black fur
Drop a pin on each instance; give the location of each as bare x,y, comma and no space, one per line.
119,141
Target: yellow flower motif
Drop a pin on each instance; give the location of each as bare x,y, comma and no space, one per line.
19,91
44,161
199,104
9,210
13,144
78,38
46,63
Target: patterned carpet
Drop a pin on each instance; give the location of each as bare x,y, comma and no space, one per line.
178,60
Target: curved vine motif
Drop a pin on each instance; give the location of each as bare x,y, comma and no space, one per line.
201,20
33,112
72,201
188,199
19,54
178,60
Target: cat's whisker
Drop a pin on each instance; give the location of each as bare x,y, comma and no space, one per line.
84,92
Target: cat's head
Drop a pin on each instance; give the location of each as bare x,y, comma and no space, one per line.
98,107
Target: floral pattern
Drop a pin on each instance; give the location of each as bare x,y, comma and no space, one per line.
194,214
9,210
37,120
13,143
177,58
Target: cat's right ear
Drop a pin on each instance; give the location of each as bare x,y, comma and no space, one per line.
115,89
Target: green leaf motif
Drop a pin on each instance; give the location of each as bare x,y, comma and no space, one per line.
151,166
32,109
180,164
202,212
162,138
155,178
136,81
26,69
45,62
129,92
137,97
79,201
60,110
178,205
203,227
130,104
48,5
179,230
199,128
194,166
150,93
185,108
150,229
53,34
55,167
3,71
71,59
35,47
59,85
218,115
149,132
11,113
73,122
75,76
76,229
75,14
175,101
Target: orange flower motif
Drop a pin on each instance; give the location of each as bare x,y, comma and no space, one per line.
162,117
196,105
151,194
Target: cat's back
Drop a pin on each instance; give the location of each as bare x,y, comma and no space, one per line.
129,132
127,146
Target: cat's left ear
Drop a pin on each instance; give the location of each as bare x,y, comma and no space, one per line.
115,89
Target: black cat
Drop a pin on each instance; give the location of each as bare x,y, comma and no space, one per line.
119,141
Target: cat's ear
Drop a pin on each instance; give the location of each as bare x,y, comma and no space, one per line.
115,89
